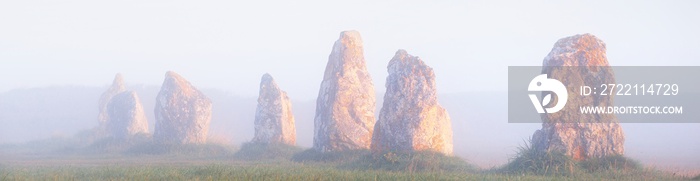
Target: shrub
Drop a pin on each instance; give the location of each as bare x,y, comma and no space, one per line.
530,160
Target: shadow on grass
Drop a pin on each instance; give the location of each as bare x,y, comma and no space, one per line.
110,145
387,161
421,161
266,151
613,162
312,155
201,150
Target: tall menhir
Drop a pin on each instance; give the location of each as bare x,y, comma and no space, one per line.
580,60
346,101
182,112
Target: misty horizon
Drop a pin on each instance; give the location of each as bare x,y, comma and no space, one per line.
208,46
234,115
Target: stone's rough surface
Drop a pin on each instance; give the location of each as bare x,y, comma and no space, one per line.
346,101
580,136
126,116
116,88
411,118
182,112
274,121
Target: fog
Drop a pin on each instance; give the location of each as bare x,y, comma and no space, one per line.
482,134
56,58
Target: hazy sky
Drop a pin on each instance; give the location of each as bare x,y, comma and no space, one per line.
228,45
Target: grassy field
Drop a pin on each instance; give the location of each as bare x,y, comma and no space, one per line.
148,161
183,168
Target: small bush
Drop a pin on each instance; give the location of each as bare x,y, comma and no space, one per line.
265,151
530,160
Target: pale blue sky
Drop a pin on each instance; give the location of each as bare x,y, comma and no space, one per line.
228,45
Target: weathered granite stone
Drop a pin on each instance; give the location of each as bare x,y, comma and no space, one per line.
411,118
183,113
274,121
126,116
580,136
116,88
346,101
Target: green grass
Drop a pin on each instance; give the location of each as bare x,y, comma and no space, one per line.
141,159
614,162
242,170
287,171
386,161
529,161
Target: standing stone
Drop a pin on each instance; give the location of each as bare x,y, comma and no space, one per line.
116,88
274,121
183,113
346,102
411,118
580,136
126,116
